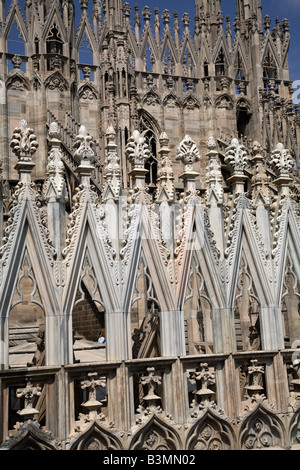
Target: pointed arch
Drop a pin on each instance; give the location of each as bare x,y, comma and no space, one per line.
205,51
163,436
260,429
17,81
239,61
270,61
149,43
56,81
198,311
145,313
290,303
54,18
168,55
246,310
132,44
191,102
30,436
249,241
221,56
171,100
85,31
148,122
188,46
26,233
15,15
294,429
15,42
151,98
211,432
87,92
96,437
88,235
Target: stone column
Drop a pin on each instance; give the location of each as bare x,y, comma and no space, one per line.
172,333
56,192
215,196
237,158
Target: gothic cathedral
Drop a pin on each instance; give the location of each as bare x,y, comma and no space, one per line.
150,225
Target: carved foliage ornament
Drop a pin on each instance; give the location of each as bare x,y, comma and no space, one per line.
24,143
137,150
282,160
188,153
83,146
236,156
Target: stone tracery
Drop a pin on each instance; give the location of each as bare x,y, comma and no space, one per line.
173,248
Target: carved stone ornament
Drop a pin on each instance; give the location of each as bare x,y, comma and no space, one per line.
165,174
282,160
31,436
24,142
214,175
112,170
83,146
236,156
55,167
30,392
188,153
137,150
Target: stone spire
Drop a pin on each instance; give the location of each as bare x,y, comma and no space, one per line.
112,171
165,187
208,6
84,154
247,9
214,176
56,190
55,167
210,11
215,195
114,14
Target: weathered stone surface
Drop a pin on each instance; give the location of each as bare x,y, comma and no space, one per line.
149,202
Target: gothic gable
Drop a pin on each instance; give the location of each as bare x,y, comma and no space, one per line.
30,436
156,435
17,81
15,14
53,18
56,81
96,437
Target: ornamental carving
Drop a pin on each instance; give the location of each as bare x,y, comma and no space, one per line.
87,92
17,82
83,146
24,143
282,160
56,81
236,156
261,430
156,434
210,435
137,150
188,153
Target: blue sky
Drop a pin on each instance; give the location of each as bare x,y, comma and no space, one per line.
289,9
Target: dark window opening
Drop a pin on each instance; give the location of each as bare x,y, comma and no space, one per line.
243,120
